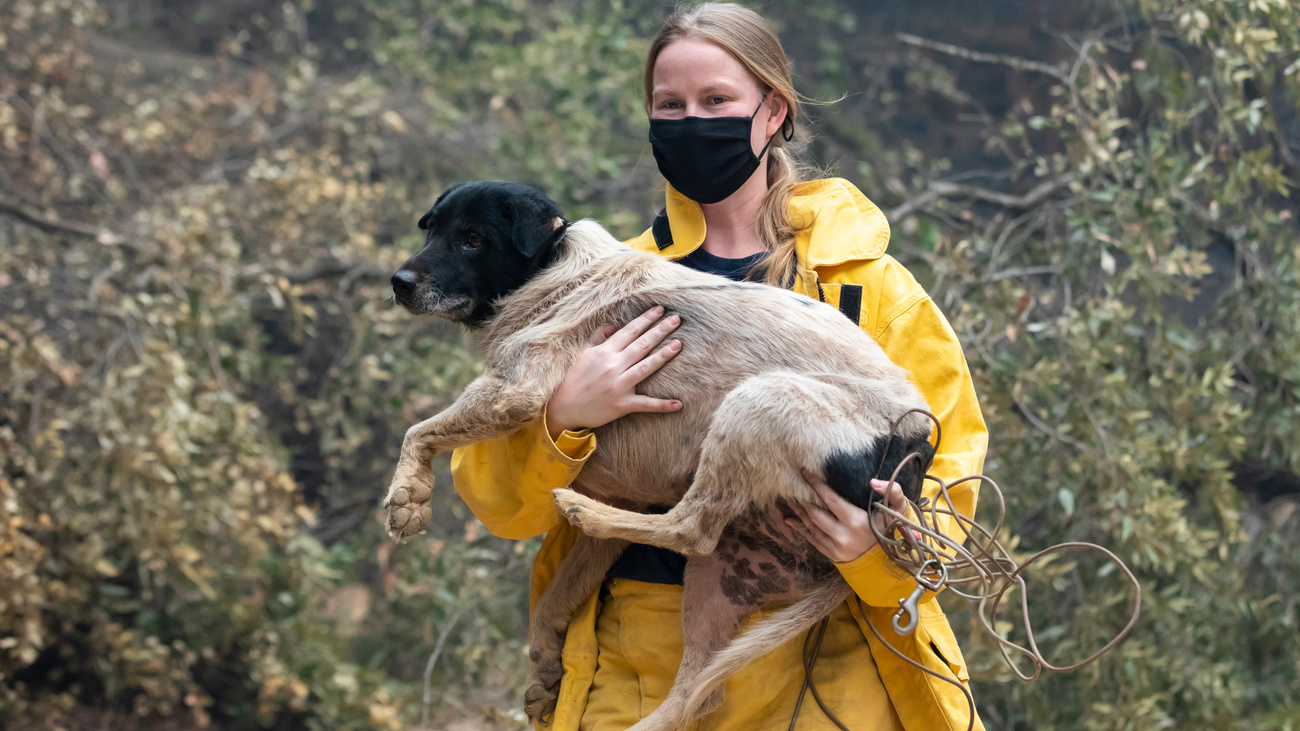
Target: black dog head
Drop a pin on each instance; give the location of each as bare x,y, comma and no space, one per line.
484,241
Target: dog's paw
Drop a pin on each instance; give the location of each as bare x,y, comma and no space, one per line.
574,506
539,703
542,690
408,504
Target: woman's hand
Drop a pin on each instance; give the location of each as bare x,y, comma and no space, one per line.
844,532
600,385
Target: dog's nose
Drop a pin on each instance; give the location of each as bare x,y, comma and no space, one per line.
403,282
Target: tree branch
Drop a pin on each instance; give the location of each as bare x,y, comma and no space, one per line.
428,667
331,268
27,216
1022,272
940,189
1015,62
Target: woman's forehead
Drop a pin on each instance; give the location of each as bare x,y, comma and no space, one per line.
694,65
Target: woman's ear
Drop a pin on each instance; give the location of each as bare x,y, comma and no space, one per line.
778,108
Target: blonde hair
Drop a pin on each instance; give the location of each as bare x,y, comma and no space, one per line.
750,40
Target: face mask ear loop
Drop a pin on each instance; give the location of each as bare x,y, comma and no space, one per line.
786,135
769,139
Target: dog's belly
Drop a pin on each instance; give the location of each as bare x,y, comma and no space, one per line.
758,565
647,458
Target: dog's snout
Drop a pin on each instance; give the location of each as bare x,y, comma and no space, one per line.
404,282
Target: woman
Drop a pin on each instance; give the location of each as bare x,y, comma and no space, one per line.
722,107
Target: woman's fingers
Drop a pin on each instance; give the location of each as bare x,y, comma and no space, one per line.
850,515
643,346
804,526
600,384
602,333
828,524
819,540
654,361
894,499
818,520
891,494
626,335
635,402
640,403
782,523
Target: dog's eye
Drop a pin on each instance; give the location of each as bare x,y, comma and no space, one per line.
473,241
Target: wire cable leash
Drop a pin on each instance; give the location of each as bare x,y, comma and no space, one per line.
982,573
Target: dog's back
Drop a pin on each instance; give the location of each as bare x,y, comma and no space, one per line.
731,332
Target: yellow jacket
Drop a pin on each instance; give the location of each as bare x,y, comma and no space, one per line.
841,260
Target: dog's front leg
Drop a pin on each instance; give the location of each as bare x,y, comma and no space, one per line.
579,576
490,407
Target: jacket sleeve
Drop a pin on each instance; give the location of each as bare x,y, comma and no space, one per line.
507,481
916,336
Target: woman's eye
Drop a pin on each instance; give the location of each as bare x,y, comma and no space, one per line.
473,241
670,104
717,100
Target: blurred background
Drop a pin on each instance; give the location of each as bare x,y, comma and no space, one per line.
203,386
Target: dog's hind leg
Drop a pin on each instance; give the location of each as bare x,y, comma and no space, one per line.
710,622
578,577
489,407
691,527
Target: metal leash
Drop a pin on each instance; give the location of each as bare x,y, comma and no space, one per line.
983,574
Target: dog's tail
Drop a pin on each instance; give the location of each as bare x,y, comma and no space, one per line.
769,634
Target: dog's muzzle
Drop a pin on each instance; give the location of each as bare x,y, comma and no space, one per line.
404,284
425,300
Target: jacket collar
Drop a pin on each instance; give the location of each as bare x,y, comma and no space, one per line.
836,223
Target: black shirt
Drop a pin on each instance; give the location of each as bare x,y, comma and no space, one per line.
652,564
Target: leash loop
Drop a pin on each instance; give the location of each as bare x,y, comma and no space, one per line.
984,573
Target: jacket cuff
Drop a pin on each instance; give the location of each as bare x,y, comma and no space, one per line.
878,580
574,447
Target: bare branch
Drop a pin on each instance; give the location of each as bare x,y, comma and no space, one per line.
1049,431
349,274
1015,62
1022,272
428,667
26,215
940,189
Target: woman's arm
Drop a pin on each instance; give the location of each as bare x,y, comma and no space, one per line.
507,481
919,339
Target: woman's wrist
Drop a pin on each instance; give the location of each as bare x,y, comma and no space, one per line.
553,427
556,425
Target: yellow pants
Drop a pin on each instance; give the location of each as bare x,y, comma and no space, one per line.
639,634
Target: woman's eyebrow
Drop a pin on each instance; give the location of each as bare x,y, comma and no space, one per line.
721,86
713,88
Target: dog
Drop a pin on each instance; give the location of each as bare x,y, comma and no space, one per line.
770,381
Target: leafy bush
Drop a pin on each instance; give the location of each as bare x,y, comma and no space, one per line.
203,387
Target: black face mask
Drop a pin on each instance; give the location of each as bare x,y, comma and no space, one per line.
706,158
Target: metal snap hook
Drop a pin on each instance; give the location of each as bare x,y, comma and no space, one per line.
908,608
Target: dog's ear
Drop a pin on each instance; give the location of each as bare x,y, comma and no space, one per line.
536,225
427,219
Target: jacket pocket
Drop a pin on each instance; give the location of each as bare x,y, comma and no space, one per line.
940,641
